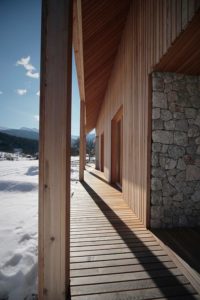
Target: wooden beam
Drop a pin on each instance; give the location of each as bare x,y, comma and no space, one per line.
78,46
55,136
82,141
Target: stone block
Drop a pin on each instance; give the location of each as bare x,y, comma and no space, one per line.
179,115
190,113
158,84
180,138
157,124
167,201
164,148
196,196
192,173
168,189
158,172
176,151
163,137
156,147
155,113
181,164
157,212
155,160
192,88
181,176
172,180
171,172
191,150
170,163
159,100
156,198
169,125
178,197
183,99
193,131
181,125
165,115
156,184
195,101
168,87
178,85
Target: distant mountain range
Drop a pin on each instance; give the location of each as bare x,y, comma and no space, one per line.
33,133
28,133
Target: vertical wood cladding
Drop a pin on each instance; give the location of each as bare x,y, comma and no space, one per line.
152,26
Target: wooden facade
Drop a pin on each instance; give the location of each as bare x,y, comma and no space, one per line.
151,29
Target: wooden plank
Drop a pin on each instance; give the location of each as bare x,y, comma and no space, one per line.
142,294
119,262
55,136
125,286
110,258
120,269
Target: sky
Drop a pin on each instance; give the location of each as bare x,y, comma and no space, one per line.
20,22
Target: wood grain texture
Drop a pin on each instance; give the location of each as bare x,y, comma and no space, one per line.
55,140
112,255
102,24
151,29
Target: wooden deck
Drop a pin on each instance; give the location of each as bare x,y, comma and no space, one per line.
113,256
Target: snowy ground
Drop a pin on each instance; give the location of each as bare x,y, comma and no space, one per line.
18,227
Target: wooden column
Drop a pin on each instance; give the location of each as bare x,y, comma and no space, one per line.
82,141
55,132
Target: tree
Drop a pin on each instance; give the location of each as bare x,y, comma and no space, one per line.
90,147
75,146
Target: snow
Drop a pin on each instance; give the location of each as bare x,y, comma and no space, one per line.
18,227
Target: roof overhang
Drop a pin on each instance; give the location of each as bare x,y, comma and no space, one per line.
98,27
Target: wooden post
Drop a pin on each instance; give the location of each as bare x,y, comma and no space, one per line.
55,136
82,141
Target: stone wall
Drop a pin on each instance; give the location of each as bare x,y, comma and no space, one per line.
175,165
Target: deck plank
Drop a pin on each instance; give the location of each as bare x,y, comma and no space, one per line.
112,255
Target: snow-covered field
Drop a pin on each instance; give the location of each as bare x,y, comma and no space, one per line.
18,227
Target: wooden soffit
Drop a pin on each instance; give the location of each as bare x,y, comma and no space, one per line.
102,24
184,54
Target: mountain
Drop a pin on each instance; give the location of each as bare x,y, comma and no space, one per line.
9,143
30,129
23,132
3,128
33,134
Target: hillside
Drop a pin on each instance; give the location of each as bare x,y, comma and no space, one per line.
8,143
23,132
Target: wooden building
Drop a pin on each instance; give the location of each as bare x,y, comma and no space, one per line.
118,45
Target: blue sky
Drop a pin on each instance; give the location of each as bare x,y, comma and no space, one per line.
20,65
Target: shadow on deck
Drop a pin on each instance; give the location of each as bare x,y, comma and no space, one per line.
113,256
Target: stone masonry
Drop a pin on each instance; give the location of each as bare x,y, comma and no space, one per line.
175,164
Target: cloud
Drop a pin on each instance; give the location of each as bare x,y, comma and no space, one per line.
32,75
1,92
25,62
21,92
37,117
38,93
